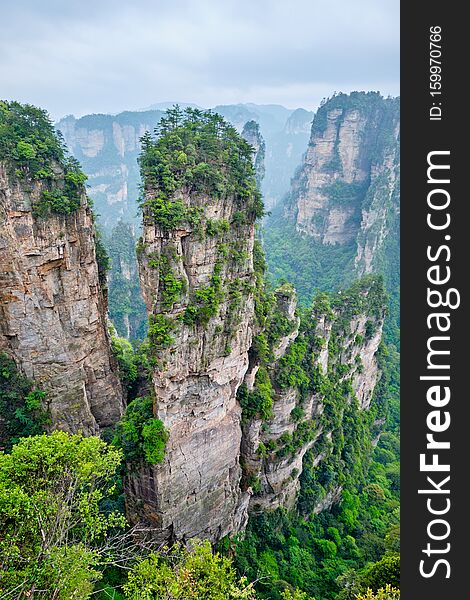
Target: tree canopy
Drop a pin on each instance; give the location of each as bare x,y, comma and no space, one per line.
196,151
53,534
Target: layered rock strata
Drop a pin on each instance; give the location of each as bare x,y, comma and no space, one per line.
273,448
53,310
196,492
347,189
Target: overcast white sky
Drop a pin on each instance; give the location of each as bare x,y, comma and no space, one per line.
82,56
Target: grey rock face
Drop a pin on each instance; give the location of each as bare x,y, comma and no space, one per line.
196,492
277,472
347,189
53,311
252,134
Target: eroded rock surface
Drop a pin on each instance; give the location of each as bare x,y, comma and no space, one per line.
347,189
196,491
53,310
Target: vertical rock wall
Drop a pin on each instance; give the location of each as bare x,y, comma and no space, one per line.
347,189
53,310
341,346
196,492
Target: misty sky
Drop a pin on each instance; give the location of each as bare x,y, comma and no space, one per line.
81,57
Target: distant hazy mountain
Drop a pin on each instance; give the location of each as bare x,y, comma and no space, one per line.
108,146
167,105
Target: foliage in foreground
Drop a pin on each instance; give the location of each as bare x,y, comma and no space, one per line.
178,574
57,540
54,538
387,593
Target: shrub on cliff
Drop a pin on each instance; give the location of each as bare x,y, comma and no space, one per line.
33,149
20,405
197,151
139,434
28,139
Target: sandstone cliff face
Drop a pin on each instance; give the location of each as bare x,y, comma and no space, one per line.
347,188
243,387
252,134
342,347
196,492
53,311
270,480
299,122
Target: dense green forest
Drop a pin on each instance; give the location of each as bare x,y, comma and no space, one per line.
355,545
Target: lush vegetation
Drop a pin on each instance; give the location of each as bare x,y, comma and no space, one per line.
62,531
28,140
206,300
354,546
342,552
21,405
195,151
309,265
334,554
127,309
54,537
170,286
34,150
60,540
127,359
139,434
386,593
178,574
259,401
159,330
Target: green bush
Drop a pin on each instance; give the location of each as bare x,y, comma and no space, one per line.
171,214
170,287
385,571
194,573
386,593
215,227
154,439
53,534
125,355
21,405
159,330
259,401
197,151
139,434
32,147
206,301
